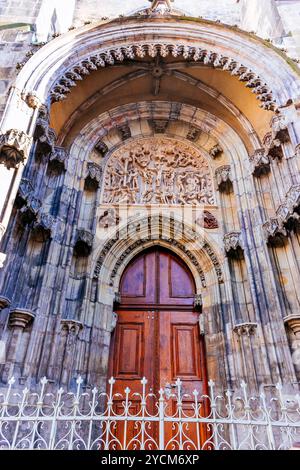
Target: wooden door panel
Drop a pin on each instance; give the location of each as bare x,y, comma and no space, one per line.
130,351
138,285
185,351
176,286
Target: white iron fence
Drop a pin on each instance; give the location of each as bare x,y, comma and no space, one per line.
170,421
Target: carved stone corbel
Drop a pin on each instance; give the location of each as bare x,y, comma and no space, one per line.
45,136
93,175
113,322
274,231
29,211
193,134
260,162
71,326
14,148
245,329
293,322
279,128
58,158
44,225
198,301
4,302
32,100
272,147
20,318
84,242
215,151
101,148
233,242
223,178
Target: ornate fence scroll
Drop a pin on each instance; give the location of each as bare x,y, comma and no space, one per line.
170,420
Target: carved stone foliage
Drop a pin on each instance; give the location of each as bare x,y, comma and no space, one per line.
20,318
274,231
233,242
93,175
14,147
27,202
84,242
260,162
223,178
245,329
279,128
157,171
207,221
71,326
109,57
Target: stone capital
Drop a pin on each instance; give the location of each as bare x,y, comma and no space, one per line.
293,322
20,318
84,242
223,177
260,162
14,147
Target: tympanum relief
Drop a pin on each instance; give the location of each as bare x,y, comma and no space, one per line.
157,171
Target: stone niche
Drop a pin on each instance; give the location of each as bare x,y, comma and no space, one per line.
158,170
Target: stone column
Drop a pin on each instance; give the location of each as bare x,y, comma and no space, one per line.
19,319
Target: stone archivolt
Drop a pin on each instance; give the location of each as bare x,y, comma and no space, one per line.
209,58
157,171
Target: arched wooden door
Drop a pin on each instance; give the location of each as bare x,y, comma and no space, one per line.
157,334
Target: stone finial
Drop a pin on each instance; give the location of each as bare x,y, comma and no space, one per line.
293,322
233,242
4,302
215,151
161,6
279,128
245,329
20,318
260,162
198,301
14,147
223,178
84,242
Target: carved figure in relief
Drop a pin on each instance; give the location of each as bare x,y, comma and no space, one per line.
158,171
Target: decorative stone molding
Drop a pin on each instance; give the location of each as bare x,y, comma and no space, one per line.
245,329
14,148
223,178
215,151
4,302
260,162
272,147
84,242
293,322
117,298
157,170
198,301
109,57
93,174
178,228
71,326
233,242
279,128
20,318
113,322
101,148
